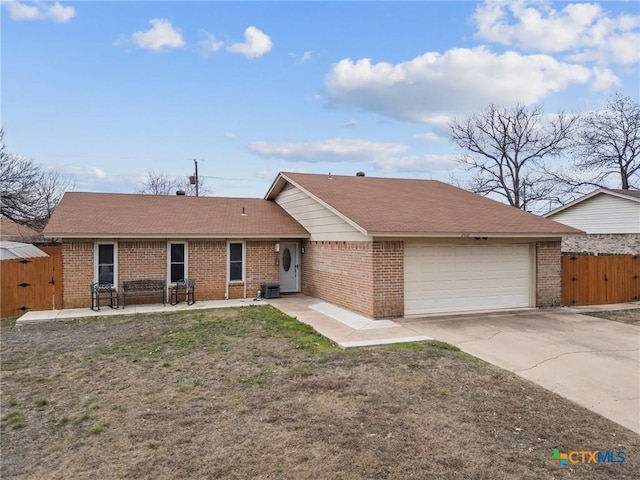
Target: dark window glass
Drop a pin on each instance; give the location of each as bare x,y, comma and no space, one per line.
177,272
105,273
235,272
177,262
235,252
105,254
177,252
106,266
235,262
286,259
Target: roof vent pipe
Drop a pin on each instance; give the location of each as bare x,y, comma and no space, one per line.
181,192
360,174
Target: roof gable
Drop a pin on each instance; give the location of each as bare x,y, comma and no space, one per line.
601,212
388,206
135,215
631,195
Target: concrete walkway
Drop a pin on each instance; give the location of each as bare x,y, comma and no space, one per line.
132,309
346,328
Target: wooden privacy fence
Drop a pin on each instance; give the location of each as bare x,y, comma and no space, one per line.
31,283
599,280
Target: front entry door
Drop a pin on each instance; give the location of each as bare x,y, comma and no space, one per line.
289,267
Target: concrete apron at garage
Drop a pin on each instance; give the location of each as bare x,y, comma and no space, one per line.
591,361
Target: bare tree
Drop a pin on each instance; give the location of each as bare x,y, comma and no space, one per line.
159,183
29,192
504,150
608,145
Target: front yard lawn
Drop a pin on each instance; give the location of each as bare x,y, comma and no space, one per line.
251,393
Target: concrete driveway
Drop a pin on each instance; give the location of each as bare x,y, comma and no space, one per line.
594,362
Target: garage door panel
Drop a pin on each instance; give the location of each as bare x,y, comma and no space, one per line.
447,278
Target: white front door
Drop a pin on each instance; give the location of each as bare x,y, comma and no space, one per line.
289,268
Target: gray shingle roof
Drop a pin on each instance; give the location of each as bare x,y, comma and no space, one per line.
133,215
388,206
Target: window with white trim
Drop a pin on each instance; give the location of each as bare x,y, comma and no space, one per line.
106,263
177,257
236,261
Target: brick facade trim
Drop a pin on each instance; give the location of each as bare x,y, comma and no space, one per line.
366,277
147,258
548,274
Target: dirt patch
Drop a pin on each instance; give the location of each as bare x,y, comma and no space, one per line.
251,393
631,317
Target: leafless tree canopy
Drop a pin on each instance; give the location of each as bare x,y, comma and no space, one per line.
29,192
159,183
608,144
504,150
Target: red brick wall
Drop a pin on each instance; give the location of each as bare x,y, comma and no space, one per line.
367,277
138,259
208,267
548,274
261,265
144,258
388,285
340,273
77,273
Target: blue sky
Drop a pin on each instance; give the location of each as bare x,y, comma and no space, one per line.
106,91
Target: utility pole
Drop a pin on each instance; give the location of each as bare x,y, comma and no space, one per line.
196,175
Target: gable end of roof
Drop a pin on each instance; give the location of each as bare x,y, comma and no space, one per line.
631,195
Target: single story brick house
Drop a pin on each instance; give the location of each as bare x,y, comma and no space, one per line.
379,246
609,218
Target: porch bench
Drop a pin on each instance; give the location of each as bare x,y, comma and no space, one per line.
106,291
143,288
185,287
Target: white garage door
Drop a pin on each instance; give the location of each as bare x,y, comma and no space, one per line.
459,278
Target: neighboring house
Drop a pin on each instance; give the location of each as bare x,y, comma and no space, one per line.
379,246
13,232
610,218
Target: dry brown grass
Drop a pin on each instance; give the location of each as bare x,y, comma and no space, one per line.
632,317
251,393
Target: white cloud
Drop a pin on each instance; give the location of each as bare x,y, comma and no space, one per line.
305,56
417,164
387,157
230,135
256,43
429,136
433,87
581,30
332,150
39,11
210,44
78,171
160,36
605,80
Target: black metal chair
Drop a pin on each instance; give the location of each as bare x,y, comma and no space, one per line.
185,287
105,291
